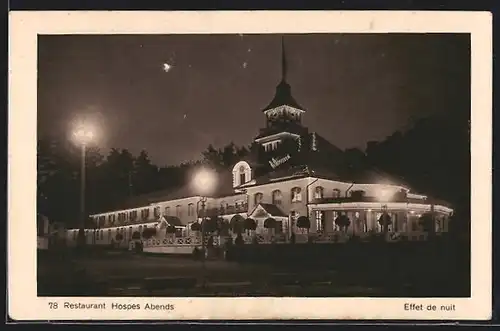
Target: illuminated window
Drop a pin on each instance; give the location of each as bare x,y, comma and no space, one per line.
296,194
318,192
258,198
277,196
319,221
335,226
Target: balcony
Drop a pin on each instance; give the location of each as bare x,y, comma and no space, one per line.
364,199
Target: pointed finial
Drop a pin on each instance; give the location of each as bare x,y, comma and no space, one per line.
283,60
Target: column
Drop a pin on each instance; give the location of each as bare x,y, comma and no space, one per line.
350,229
329,221
312,219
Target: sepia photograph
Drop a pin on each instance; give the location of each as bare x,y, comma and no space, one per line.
253,164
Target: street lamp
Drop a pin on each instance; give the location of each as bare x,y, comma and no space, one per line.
83,136
204,183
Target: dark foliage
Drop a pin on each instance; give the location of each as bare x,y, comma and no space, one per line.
196,227
148,233
303,222
250,224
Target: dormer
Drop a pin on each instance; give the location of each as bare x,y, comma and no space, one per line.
242,173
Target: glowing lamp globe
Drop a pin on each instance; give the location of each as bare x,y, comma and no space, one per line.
204,181
384,194
83,136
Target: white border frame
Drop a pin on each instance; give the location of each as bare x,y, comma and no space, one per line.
24,27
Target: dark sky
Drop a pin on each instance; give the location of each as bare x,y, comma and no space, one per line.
355,88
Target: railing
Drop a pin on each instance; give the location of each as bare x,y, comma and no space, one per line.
281,238
179,241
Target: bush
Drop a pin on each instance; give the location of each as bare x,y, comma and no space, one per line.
303,222
148,233
250,224
196,227
171,229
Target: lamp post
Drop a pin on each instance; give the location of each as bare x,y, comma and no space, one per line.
204,182
83,136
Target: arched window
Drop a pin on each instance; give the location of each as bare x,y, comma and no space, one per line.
190,209
277,196
336,193
258,198
157,212
296,194
178,211
241,173
167,211
318,192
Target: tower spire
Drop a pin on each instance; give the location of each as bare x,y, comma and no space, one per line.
283,60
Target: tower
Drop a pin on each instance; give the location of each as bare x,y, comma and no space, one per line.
283,113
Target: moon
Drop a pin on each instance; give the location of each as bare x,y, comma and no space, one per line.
166,67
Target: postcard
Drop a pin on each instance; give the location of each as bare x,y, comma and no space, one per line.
252,165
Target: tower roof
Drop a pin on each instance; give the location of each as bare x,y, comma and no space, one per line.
283,94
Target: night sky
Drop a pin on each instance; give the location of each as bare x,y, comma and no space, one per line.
355,88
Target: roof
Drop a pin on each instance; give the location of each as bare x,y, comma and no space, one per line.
172,220
376,176
273,210
224,187
283,96
280,128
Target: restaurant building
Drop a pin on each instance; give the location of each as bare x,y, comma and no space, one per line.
294,182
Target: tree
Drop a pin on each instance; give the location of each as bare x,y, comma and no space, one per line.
149,233
250,224
384,221
119,237
343,222
196,227
144,174
211,224
303,222
170,229
270,223
237,224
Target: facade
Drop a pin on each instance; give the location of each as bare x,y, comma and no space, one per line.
289,174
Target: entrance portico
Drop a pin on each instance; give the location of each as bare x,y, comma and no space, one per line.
364,216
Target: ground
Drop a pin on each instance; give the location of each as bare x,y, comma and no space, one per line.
118,273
